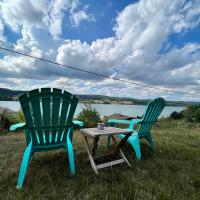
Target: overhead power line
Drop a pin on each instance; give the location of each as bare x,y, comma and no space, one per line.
96,74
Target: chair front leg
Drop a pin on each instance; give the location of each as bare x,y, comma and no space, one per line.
24,165
135,143
70,156
71,132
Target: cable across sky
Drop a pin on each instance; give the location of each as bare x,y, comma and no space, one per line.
97,74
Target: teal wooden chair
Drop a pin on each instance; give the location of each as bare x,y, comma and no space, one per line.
49,125
150,116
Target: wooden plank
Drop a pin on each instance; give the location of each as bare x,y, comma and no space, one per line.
95,145
90,156
121,153
111,131
94,132
121,143
111,163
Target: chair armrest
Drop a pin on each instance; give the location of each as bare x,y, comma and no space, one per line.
131,122
15,127
118,121
77,122
136,121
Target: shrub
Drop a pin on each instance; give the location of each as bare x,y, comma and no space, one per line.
176,115
192,113
89,116
6,120
20,116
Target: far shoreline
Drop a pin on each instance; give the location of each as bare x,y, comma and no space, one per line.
117,103
13,95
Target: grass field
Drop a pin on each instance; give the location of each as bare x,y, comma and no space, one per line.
173,172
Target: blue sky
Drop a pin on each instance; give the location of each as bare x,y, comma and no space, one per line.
104,12
145,41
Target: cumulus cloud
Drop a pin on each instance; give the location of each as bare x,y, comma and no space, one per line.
79,16
141,30
58,9
57,12
2,37
92,58
42,13
16,13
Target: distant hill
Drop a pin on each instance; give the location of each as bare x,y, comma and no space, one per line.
129,101
10,95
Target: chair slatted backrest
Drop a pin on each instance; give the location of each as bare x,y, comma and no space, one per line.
48,113
151,115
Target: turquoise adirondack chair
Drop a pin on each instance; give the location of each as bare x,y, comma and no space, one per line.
150,116
49,125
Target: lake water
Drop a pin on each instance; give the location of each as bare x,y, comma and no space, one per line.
105,109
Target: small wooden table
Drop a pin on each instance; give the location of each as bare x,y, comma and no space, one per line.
94,133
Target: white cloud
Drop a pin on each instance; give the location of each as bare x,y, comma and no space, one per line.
79,16
57,10
141,31
17,13
92,58
47,14
2,36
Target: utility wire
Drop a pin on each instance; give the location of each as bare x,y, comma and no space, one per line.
94,73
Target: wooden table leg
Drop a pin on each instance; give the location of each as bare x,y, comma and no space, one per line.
95,145
122,143
120,151
92,162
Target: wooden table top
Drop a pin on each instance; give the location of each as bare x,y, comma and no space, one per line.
94,132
